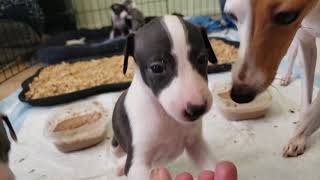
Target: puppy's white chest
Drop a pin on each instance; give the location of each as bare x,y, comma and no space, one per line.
167,146
156,136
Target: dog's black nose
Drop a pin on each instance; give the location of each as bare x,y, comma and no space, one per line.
193,112
242,94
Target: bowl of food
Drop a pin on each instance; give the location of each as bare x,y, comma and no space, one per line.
235,111
77,126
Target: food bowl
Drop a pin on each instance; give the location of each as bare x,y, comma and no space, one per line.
77,127
247,111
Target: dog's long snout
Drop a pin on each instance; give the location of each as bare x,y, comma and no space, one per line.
193,112
242,93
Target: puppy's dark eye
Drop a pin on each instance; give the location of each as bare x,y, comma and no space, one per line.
157,68
285,18
232,16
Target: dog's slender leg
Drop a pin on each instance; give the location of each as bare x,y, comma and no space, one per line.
305,128
309,115
200,153
308,50
292,56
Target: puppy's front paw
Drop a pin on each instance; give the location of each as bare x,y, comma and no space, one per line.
120,170
285,80
295,147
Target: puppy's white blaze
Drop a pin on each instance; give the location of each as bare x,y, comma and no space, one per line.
188,86
123,14
5,172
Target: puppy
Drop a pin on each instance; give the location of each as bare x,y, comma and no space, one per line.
125,19
5,172
119,20
136,17
159,116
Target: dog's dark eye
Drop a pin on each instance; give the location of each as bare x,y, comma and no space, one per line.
285,18
157,68
232,16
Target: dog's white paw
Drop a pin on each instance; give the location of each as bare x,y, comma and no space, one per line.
295,147
285,80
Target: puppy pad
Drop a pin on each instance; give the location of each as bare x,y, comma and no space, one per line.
254,146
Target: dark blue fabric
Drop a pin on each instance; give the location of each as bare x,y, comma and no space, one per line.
229,22
206,22
212,25
56,54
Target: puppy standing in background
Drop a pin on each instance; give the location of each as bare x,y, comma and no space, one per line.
126,18
159,116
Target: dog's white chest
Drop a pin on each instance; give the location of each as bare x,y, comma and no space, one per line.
312,23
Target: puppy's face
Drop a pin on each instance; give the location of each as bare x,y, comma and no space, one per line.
172,56
119,10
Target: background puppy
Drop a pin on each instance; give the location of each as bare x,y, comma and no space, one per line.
125,19
5,172
158,117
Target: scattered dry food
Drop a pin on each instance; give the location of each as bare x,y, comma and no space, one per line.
31,171
20,160
225,53
70,77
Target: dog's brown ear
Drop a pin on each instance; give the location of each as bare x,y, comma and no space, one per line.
11,130
128,51
212,55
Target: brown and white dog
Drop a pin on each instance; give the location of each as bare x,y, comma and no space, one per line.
267,28
5,172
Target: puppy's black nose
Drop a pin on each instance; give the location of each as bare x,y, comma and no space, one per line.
242,94
193,112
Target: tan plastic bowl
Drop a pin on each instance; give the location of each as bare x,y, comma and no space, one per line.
235,112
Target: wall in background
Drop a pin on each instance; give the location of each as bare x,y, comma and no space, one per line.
96,13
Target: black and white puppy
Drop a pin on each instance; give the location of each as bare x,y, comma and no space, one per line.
119,19
5,172
159,116
125,19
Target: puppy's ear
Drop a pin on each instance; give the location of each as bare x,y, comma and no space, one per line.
128,51
115,6
212,55
112,7
11,130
